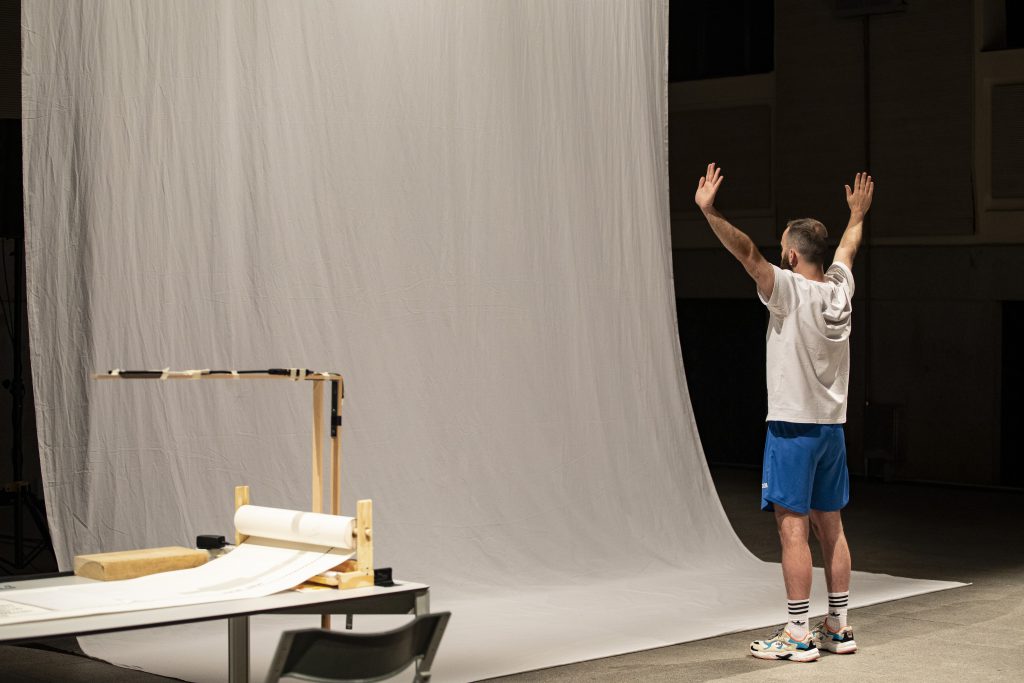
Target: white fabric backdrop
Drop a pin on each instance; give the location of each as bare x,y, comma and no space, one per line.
462,207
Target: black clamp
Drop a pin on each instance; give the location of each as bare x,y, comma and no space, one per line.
210,542
335,417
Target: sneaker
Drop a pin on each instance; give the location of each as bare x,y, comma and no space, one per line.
841,642
784,646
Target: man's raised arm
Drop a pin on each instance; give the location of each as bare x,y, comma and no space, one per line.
735,240
859,200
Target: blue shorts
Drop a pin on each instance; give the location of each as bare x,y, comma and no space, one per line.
805,467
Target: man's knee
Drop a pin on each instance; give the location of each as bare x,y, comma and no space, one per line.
793,527
827,526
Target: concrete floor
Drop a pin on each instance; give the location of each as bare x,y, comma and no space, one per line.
974,633
966,634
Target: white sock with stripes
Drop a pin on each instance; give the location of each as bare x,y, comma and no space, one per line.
797,617
838,603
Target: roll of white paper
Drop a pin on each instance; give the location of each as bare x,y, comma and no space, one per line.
312,528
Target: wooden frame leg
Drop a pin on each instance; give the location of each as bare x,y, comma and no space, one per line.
364,537
241,498
336,401
318,447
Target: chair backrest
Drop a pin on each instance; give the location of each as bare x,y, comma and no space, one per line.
344,657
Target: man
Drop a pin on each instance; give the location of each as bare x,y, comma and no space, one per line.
804,479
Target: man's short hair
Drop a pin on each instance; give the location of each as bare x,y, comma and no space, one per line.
808,236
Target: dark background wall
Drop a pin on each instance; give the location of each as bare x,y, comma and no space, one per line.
927,95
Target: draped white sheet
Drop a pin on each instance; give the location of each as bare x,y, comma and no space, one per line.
463,208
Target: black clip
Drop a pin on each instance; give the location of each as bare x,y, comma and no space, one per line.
335,418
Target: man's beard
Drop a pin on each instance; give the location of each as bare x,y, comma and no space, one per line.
785,264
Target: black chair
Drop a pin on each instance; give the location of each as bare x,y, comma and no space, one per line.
341,657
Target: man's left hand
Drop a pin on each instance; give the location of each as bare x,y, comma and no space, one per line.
707,187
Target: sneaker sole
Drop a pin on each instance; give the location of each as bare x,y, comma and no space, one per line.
840,648
805,656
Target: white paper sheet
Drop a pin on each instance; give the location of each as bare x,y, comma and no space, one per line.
258,567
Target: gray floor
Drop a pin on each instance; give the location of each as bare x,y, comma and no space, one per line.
974,633
967,634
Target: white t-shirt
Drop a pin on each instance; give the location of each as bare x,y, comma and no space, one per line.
808,368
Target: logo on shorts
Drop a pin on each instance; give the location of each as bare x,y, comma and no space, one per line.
764,484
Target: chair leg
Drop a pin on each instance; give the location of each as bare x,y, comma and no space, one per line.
280,657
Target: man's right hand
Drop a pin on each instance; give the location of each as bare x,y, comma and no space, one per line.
734,239
859,198
707,187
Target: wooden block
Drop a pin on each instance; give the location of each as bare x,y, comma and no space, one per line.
330,577
355,580
325,579
129,564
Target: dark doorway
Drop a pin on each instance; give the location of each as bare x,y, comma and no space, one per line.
724,357
1012,404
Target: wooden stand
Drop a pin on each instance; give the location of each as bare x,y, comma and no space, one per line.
351,574
345,575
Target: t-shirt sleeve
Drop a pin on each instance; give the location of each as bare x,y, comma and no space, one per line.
841,275
784,294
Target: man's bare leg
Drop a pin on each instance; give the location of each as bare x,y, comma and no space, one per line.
796,566
828,528
795,643
796,553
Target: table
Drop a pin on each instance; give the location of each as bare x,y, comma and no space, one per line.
402,598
